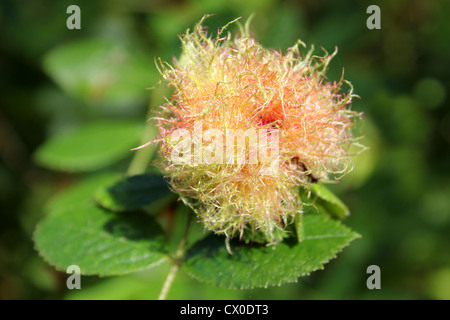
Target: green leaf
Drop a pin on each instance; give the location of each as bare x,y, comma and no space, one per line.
100,242
317,198
134,192
255,265
329,201
91,146
101,70
80,192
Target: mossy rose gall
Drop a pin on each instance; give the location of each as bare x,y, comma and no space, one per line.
275,104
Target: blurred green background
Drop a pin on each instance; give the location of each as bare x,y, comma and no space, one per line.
53,79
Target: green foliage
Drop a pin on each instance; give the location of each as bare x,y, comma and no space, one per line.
91,146
133,193
101,69
253,265
324,200
81,192
100,242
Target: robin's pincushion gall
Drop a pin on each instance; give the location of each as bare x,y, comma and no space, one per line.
232,86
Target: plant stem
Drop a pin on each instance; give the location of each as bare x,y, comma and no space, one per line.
177,258
142,156
168,282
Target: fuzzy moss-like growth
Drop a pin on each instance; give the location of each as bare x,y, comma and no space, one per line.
227,83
